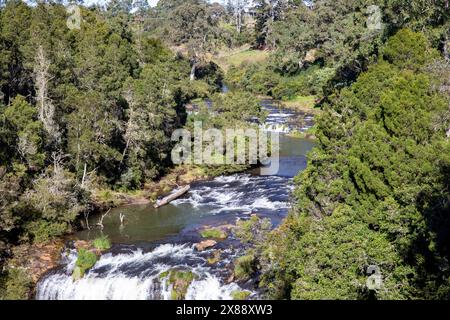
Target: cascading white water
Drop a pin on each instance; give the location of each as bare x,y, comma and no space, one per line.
233,195
135,276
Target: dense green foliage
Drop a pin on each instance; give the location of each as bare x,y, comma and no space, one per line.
86,259
101,243
17,286
80,109
317,46
376,189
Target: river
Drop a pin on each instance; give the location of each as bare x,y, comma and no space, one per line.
153,241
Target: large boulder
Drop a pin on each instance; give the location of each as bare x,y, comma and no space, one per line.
203,245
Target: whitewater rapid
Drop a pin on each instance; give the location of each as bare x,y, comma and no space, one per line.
136,275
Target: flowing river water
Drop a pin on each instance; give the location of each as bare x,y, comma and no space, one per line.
154,241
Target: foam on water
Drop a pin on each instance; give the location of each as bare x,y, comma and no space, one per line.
240,193
135,276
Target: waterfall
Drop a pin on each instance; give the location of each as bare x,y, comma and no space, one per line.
135,276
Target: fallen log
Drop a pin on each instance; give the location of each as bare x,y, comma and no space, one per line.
174,195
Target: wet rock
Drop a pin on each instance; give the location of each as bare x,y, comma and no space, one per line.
36,259
230,278
82,244
215,257
201,246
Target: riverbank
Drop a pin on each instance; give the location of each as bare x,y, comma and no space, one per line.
104,199
27,262
304,104
182,175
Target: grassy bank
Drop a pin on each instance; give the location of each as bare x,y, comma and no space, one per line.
301,103
237,57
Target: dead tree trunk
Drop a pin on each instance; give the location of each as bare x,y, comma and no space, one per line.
447,46
41,81
100,221
192,74
84,175
172,196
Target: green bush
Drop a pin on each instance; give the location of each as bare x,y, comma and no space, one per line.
18,285
180,281
86,259
409,50
43,230
309,82
102,243
245,267
256,78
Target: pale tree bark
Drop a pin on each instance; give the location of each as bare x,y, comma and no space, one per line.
238,16
447,46
84,175
195,59
131,126
42,79
100,221
192,74
239,7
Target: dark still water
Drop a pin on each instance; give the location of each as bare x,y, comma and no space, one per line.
152,241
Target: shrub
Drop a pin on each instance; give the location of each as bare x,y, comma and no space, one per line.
245,267
86,260
180,281
253,230
409,50
18,285
102,243
42,231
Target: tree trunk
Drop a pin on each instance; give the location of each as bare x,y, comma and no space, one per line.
84,175
447,47
192,75
172,196
238,17
41,82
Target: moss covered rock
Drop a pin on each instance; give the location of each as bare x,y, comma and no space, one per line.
240,294
215,233
180,281
215,257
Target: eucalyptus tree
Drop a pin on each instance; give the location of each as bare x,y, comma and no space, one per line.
195,25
